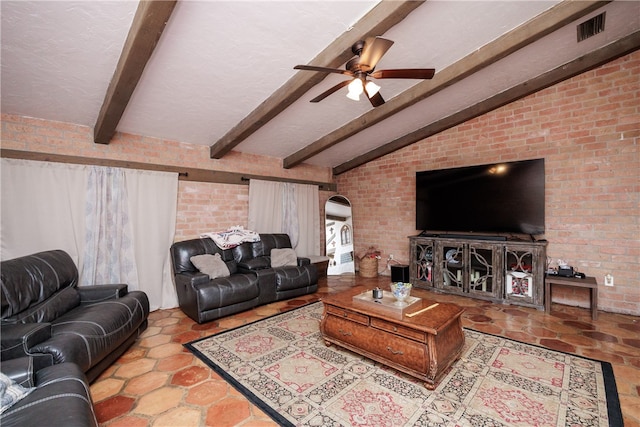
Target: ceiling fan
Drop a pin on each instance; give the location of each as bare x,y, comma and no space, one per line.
368,52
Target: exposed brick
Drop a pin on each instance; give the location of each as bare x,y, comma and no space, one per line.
586,128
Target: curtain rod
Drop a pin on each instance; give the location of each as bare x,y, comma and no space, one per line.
184,174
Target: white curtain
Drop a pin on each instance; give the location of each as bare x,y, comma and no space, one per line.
44,206
109,255
290,223
153,201
265,206
308,206
278,207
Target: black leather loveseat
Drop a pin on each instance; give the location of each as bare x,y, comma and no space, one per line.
250,278
46,316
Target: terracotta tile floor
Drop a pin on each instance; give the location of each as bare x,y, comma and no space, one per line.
158,383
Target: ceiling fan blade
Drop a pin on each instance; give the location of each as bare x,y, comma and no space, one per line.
376,100
405,73
323,69
374,48
331,90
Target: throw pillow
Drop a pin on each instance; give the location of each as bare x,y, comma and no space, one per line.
212,265
283,257
11,392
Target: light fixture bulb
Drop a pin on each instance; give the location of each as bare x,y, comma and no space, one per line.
372,89
353,95
355,88
498,169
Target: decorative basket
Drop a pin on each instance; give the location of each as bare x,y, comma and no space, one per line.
369,267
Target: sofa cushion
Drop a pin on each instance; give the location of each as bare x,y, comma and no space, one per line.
50,309
211,265
90,332
33,279
294,277
232,267
283,257
225,291
181,253
271,241
11,392
253,264
244,252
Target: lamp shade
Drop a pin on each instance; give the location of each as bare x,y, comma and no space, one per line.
372,88
355,89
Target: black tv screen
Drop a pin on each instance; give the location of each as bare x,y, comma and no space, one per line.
493,198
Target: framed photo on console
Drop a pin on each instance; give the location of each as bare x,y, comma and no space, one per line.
519,284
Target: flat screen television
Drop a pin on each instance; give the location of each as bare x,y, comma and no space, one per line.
498,198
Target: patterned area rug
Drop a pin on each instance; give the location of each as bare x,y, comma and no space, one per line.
283,366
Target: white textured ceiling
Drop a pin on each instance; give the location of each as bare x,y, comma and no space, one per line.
218,60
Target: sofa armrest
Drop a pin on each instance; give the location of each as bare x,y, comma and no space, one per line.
254,264
267,285
22,369
191,279
93,294
17,339
303,261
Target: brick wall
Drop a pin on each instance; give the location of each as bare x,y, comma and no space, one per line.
587,129
202,206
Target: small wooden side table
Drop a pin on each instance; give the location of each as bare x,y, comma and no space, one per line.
587,282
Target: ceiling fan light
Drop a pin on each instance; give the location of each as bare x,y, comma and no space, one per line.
353,95
356,87
372,88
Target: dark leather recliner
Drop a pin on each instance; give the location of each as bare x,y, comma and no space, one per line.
204,299
252,281
44,314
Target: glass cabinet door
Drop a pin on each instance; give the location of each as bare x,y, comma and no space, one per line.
519,268
452,263
481,270
422,256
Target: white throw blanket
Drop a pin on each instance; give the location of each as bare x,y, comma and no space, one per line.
232,237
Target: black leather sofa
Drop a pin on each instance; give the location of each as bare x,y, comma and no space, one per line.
252,280
46,316
58,395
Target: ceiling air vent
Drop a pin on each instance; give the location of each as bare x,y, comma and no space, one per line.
591,27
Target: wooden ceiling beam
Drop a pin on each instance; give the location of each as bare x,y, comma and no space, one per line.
148,24
566,71
377,21
529,32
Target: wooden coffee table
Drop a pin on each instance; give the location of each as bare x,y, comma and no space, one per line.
424,345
